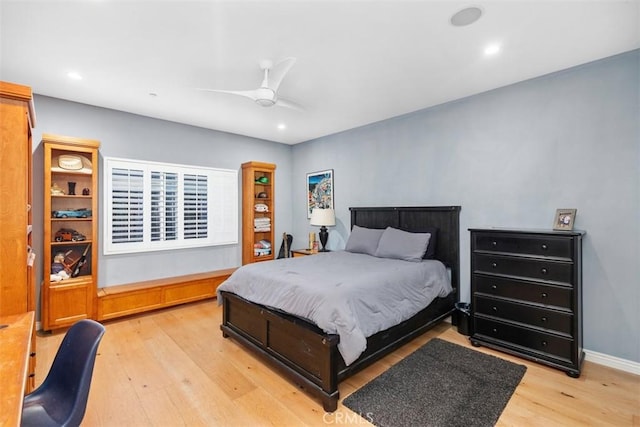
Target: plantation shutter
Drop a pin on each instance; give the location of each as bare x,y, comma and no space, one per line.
153,206
195,206
164,206
127,205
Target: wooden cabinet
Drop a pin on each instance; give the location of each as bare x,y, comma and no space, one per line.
69,289
258,211
17,287
526,289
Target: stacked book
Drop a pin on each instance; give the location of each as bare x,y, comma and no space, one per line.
262,224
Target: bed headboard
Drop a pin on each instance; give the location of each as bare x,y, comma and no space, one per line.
415,218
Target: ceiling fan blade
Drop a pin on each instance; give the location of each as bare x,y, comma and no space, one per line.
277,73
251,94
287,103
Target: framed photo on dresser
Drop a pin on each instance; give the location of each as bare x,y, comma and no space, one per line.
564,219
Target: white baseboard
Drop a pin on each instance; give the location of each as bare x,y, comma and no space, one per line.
612,362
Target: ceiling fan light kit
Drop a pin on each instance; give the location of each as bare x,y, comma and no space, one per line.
265,97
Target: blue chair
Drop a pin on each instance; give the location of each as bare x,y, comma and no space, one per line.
61,400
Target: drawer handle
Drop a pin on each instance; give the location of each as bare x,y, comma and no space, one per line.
544,271
32,354
494,287
544,295
494,265
544,343
495,330
495,309
543,319
544,246
494,243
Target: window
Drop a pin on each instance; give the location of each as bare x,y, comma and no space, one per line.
156,206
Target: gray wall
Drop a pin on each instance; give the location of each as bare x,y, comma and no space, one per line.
137,137
510,158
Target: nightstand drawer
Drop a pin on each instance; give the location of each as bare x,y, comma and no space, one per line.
540,342
535,316
558,296
555,271
524,244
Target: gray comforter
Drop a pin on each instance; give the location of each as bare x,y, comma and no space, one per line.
349,294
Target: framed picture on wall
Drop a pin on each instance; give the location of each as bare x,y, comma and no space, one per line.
564,219
319,190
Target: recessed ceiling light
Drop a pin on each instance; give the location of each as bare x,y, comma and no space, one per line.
282,126
74,76
492,49
466,16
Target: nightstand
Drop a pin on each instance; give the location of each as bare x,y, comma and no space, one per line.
303,252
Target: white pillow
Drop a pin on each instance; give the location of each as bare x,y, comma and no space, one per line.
399,244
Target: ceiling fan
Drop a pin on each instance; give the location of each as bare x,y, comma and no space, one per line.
267,94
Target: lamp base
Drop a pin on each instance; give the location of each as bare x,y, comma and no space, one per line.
324,236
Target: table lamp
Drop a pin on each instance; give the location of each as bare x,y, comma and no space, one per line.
323,218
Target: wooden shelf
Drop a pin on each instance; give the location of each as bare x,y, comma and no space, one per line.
252,187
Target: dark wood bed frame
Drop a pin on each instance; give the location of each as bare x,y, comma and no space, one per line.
309,357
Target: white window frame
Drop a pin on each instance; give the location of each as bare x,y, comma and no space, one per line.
218,204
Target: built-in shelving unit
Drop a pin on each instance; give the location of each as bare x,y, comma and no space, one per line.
258,211
70,230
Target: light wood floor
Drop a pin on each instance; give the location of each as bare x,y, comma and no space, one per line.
173,368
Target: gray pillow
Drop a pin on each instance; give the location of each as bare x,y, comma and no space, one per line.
363,240
403,245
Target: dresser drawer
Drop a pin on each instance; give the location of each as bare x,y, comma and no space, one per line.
535,316
555,271
524,244
540,342
537,293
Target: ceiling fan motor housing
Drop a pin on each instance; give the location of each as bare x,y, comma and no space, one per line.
265,97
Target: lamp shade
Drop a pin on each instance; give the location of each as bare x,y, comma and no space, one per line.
326,217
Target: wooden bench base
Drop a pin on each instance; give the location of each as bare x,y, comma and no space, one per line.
134,298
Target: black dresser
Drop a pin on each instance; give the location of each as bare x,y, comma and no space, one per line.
526,294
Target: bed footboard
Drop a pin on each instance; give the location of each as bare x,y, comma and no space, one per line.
302,353
307,356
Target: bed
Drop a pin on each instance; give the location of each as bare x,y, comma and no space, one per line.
309,357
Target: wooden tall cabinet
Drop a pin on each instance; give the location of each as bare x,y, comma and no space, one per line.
69,289
258,211
17,290
526,288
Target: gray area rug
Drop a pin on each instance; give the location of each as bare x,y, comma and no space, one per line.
440,384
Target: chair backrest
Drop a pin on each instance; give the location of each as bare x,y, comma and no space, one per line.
285,248
70,375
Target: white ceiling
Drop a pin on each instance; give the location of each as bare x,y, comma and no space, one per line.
358,62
